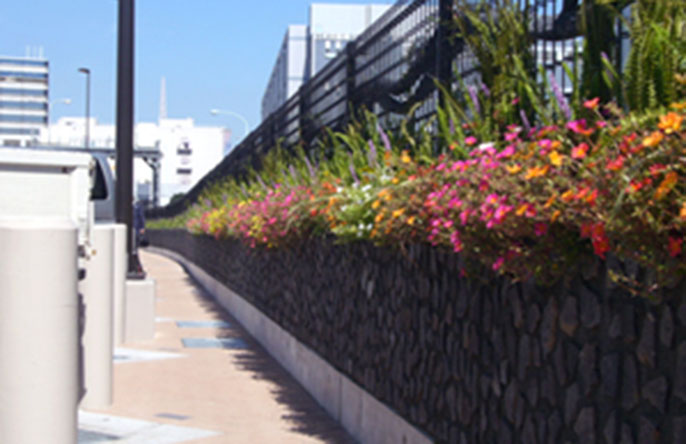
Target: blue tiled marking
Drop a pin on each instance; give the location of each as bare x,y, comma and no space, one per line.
203,324
231,343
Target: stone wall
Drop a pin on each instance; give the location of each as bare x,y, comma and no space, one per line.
471,360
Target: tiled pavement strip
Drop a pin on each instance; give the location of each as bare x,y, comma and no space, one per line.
231,392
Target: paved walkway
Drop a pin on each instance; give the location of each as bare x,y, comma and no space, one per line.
204,381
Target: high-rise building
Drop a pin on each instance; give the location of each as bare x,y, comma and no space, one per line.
307,49
24,100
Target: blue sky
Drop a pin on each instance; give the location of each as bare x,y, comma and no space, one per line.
213,53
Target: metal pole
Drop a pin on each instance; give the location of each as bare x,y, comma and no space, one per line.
88,109
87,72
124,140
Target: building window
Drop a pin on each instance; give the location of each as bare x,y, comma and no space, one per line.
184,171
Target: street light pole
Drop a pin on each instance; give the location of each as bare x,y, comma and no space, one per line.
124,141
246,126
87,72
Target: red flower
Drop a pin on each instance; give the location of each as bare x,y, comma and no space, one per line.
675,246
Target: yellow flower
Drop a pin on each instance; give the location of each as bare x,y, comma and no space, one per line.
654,139
522,209
405,157
376,204
513,169
670,122
555,158
534,172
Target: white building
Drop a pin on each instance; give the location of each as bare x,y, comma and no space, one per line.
23,100
307,49
188,151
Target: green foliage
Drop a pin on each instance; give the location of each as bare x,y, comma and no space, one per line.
658,53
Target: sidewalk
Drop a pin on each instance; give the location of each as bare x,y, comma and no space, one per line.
202,380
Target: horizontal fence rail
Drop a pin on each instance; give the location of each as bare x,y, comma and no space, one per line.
390,67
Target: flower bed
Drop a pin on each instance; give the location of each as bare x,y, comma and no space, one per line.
533,202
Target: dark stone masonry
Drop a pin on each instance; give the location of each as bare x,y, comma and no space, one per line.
475,360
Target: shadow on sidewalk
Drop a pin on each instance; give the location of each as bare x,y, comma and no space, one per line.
306,415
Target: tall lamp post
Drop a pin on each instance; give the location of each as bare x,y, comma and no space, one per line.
246,126
87,72
50,105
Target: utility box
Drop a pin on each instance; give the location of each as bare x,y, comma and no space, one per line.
44,184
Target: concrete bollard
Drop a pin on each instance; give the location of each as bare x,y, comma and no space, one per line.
140,310
119,287
96,289
38,331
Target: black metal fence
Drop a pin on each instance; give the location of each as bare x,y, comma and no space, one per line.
389,67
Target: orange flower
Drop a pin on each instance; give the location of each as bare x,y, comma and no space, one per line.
513,169
666,185
534,172
670,122
590,199
654,139
567,195
550,201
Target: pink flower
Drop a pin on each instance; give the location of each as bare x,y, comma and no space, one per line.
498,263
507,152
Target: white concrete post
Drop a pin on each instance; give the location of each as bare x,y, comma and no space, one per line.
38,331
119,287
96,289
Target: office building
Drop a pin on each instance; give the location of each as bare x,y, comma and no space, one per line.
306,49
188,151
24,100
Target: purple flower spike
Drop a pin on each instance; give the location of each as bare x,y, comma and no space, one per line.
309,167
561,99
371,154
475,98
353,173
486,91
261,182
525,121
384,137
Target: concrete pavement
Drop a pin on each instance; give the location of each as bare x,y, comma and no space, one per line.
202,379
